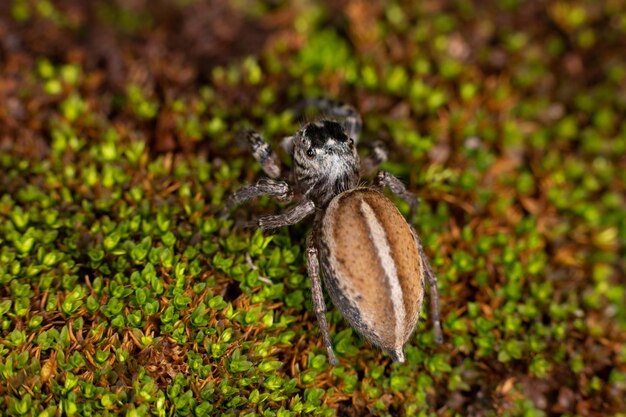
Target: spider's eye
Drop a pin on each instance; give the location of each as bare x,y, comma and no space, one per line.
310,153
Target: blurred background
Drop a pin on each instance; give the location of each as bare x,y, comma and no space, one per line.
123,292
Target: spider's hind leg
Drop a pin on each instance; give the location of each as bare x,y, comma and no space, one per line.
431,279
264,154
319,305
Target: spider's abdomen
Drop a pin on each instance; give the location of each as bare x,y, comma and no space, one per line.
372,267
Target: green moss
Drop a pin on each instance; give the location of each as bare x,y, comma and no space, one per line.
124,291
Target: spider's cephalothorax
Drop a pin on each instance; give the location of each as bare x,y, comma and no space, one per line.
325,161
371,259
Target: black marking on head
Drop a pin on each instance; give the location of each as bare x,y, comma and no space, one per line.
335,130
316,134
319,133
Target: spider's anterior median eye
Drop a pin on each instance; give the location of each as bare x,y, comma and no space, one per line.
310,152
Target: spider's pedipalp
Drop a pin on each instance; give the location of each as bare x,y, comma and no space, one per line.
287,144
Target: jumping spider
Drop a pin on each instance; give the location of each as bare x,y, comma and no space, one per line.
371,259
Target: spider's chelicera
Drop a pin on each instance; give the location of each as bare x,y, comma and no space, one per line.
370,258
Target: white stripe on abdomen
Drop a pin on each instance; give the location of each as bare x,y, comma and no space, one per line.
381,245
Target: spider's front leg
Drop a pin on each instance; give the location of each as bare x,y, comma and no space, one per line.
385,179
264,154
273,187
378,154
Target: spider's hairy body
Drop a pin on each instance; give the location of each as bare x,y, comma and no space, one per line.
334,167
377,275
371,259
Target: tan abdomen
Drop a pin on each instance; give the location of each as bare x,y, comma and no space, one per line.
372,267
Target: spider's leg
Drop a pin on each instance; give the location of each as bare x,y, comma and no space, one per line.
395,185
431,279
277,189
264,154
385,179
352,119
378,155
319,305
293,215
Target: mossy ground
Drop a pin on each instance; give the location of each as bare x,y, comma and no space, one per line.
123,293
